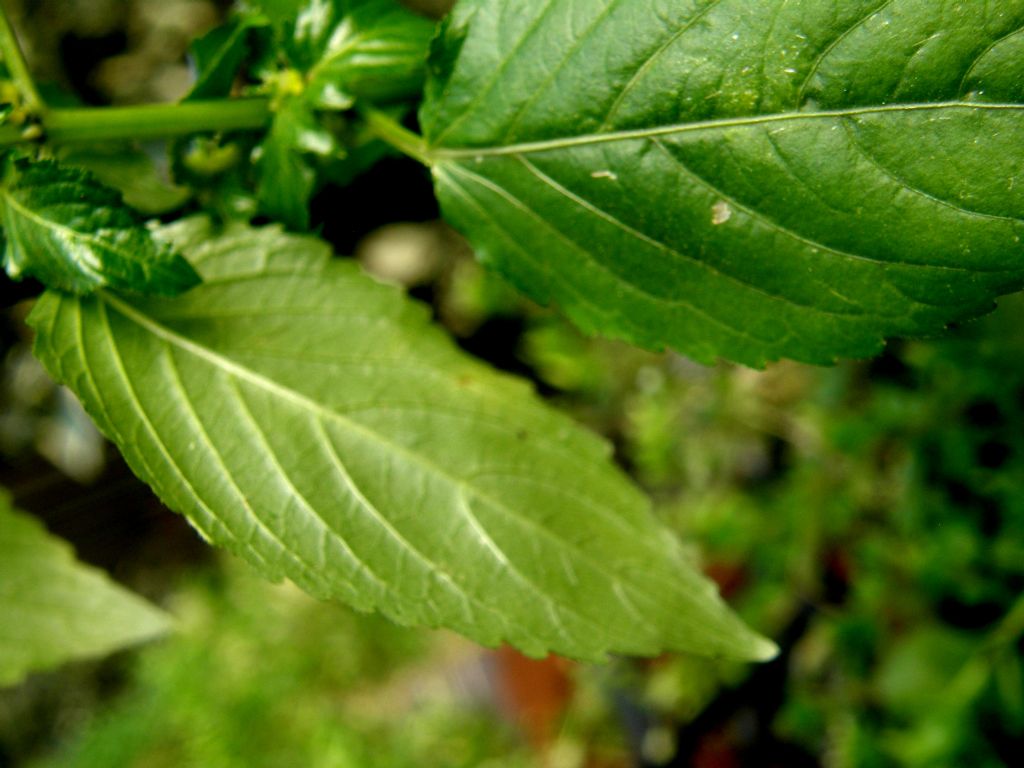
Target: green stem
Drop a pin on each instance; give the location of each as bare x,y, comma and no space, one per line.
16,65
391,131
150,121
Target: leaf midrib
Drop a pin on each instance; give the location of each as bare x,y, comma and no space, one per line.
463,491
440,154
95,242
224,363
233,368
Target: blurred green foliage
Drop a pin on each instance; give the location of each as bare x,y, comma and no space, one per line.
880,500
261,675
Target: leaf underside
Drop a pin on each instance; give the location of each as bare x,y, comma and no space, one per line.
313,421
785,178
56,609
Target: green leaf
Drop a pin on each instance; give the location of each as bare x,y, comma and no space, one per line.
313,421
54,608
131,171
278,12
219,54
798,178
286,175
73,233
369,49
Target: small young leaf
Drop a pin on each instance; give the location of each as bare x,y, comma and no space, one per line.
369,49
219,54
74,234
313,421
286,175
798,178
132,172
56,609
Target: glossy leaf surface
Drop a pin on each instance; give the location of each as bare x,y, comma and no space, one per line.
62,226
752,180
313,421
56,609
371,49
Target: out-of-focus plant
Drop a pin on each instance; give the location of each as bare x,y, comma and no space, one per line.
876,506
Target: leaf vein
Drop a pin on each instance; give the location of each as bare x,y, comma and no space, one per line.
816,245
649,62
293,491
884,169
129,389
581,40
568,142
536,25
189,407
432,566
816,65
239,373
665,248
978,58
632,287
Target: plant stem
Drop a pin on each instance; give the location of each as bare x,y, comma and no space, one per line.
391,131
150,121
16,65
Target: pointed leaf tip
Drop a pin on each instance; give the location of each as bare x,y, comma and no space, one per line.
56,609
313,421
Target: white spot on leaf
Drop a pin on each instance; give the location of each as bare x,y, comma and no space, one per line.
721,212
604,175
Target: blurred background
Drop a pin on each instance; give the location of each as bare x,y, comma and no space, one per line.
867,516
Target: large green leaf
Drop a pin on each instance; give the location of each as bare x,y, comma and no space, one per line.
797,178
54,609
313,421
63,226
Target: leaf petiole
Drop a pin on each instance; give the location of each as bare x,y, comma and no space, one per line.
389,130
